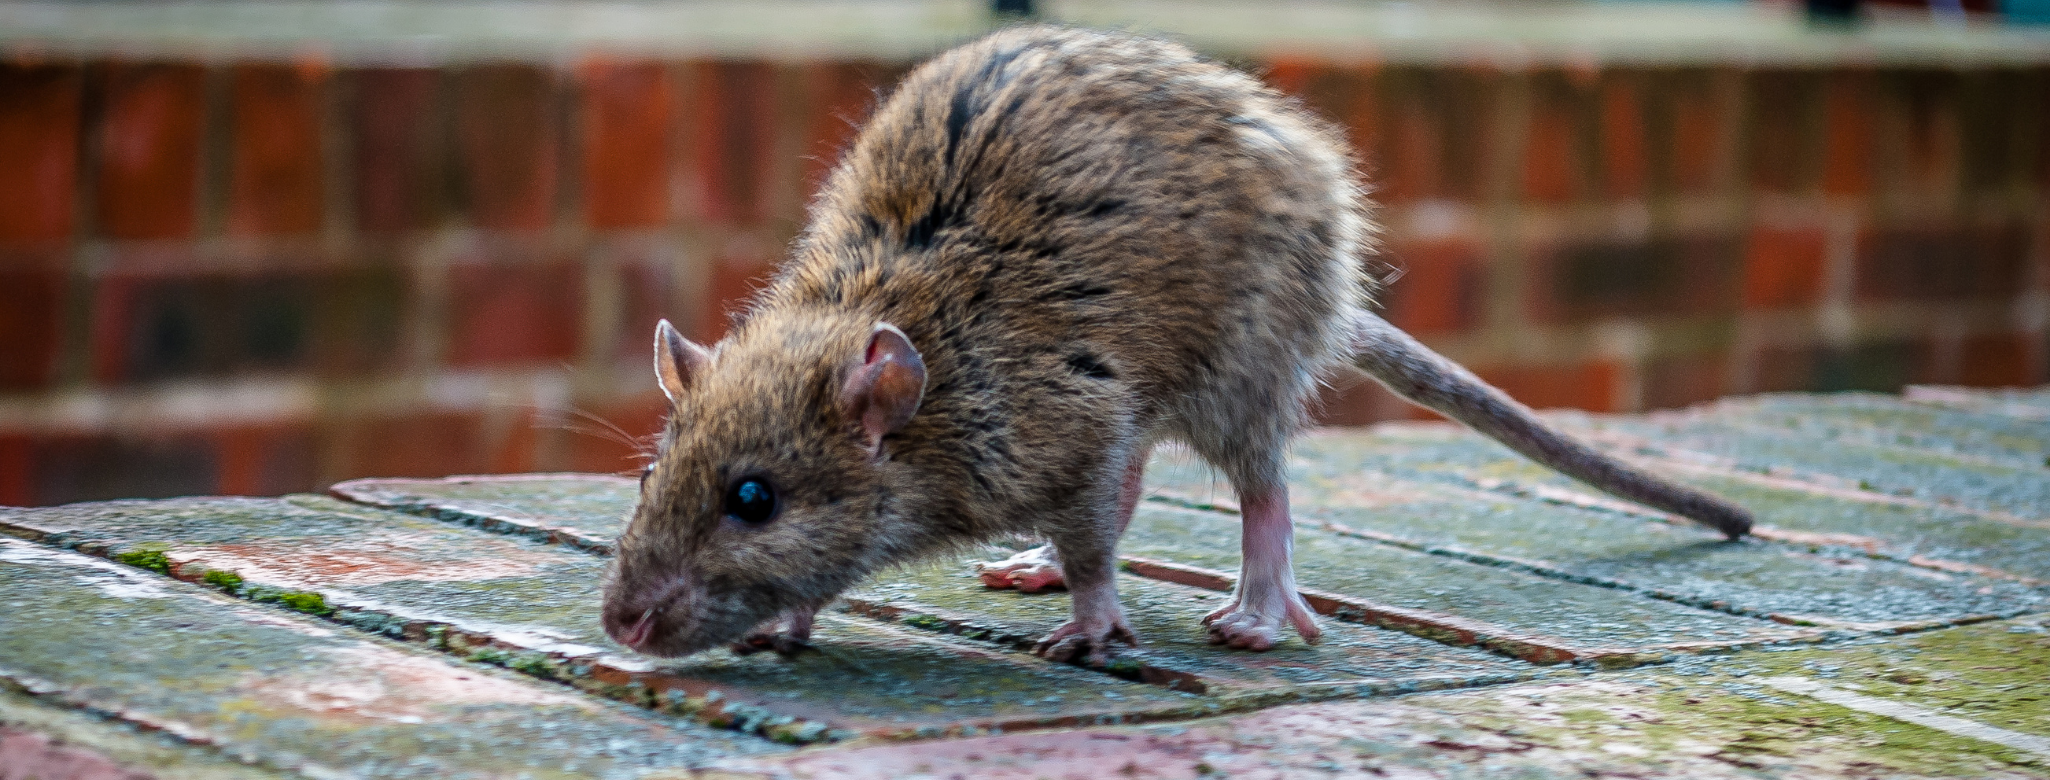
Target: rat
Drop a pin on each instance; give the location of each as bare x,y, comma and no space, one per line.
1047,251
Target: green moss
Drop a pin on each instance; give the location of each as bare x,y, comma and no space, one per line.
225,580
926,622
309,603
534,664
149,556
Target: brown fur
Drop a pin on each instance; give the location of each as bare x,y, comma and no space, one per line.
1095,242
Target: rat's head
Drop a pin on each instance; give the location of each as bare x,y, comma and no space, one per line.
769,489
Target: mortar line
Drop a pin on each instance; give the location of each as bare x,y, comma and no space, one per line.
1911,713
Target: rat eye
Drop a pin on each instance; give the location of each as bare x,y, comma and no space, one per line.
751,501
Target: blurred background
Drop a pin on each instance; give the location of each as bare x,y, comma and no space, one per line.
258,247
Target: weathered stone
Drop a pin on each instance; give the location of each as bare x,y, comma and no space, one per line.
581,510
1646,724
1174,650
287,693
533,606
1520,604
1404,485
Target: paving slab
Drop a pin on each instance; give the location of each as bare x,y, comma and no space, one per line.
1448,600
2025,403
586,511
45,741
1546,611
1887,420
1937,475
533,606
1410,485
1713,719
287,693
1350,660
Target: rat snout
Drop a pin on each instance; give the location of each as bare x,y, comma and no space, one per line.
641,618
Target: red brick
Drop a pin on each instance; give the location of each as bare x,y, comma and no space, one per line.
1665,276
359,318
266,460
730,137
514,447
1591,386
398,149
1996,360
1698,131
841,95
1783,131
645,290
31,322
1943,263
617,437
506,144
1555,149
1441,287
275,155
17,470
1783,268
735,280
129,464
514,312
626,113
149,150
1926,154
421,444
1437,123
1783,369
1624,165
38,152
1361,118
1685,380
1848,120
1292,74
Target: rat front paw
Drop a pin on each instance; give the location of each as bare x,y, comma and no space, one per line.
1255,624
783,644
1030,571
1085,643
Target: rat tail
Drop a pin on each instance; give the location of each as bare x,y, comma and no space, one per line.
1413,371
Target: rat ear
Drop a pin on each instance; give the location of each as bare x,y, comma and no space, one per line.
886,384
677,360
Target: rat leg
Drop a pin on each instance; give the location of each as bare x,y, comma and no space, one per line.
1266,595
793,638
1088,555
1039,568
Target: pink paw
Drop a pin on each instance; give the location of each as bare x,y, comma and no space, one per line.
1257,626
1030,571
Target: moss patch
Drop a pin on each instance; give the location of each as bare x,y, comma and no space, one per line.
146,556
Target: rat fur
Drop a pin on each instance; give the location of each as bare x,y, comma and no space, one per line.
1048,250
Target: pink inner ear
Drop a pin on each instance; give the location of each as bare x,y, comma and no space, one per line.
885,390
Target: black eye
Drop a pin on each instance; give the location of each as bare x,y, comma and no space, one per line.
751,501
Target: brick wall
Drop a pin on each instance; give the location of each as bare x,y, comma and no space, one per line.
259,277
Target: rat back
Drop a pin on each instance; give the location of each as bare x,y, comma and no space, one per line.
1054,215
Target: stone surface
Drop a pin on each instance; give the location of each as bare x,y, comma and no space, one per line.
1174,649
1710,719
534,607
287,693
1507,598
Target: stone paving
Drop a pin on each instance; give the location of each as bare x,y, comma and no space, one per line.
1483,617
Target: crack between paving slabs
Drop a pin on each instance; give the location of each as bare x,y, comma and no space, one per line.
629,680
57,695
1851,544
1502,642
1610,658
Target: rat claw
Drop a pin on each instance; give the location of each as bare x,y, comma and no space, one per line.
1078,644
782,644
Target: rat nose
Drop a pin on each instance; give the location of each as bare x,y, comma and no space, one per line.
635,635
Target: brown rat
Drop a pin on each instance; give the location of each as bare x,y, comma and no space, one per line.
1048,250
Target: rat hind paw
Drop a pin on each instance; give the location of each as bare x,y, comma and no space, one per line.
1256,624
1084,643
1030,571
